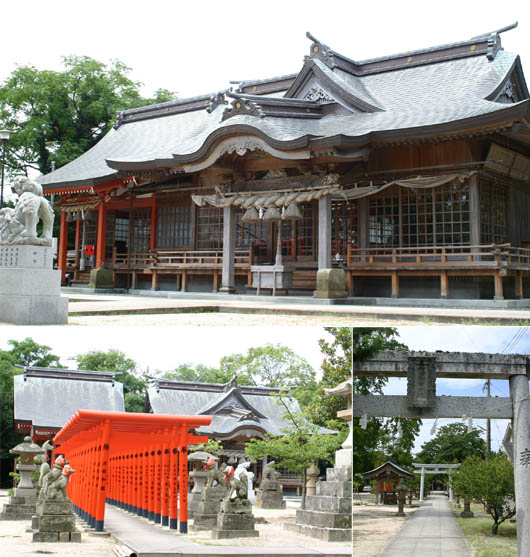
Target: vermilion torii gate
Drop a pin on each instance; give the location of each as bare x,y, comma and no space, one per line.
137,462
423,368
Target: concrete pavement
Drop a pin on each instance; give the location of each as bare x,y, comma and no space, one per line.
432,531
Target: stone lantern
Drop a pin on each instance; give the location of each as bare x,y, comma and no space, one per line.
197,460
27,451
312,474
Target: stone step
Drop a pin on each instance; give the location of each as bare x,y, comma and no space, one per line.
324,534
334,489
339,474
329,504
323,519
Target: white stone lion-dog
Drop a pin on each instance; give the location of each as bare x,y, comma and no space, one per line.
31,206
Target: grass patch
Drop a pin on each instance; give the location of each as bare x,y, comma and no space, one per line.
478,533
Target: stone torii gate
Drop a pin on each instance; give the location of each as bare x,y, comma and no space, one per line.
435,469
423,368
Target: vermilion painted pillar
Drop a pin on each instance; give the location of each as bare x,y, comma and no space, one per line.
92,497
151,507
140,483
103,476
183,489
101,236
173,482
158,483
165,483
63,246
145,498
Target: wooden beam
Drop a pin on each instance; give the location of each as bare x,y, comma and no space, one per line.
444,285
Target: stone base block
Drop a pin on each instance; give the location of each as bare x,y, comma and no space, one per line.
64,507
57,523
17,512
344,458
331,504
339,474
218,534
269,503
54,537
334,489
324,519
331,283
237,522
33,310
26,256
324,534
101,278
204,521
24,495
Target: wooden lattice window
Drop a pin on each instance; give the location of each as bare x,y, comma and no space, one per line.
493,214
174,227
298,236
344,226
141,237
251,234
209,228
384,219
417,218
452,214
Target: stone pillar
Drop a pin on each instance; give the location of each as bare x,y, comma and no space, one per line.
450,489
324,232
402,492
519,393
422,484
312,475
229,247
466,513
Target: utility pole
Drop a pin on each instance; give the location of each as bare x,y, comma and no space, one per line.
488,423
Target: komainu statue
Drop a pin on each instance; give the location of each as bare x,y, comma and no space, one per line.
215,476
53,482
19,225
237,485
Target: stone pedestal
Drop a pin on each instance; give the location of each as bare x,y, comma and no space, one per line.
235,520
101,278
272,277
328,514
55,522
195,497
270,495
19,508
331,283
29,287
205,518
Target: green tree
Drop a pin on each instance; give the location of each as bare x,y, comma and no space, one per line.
489,482
57,116
134,381
452,444
273,366
24,353
200,373
299,445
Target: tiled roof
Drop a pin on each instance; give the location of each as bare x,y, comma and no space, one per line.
389,103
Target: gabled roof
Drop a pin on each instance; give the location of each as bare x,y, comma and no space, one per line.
234,407
458,89
49,397
388,469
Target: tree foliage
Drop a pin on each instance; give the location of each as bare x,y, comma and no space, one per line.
299,445
58,115
134,382
452,444
200,373
26,353
490,482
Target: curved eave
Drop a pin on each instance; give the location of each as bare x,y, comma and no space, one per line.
216,136
477,125
85,185
233,432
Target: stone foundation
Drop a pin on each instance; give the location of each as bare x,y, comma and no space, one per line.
30,290
235,520
270,495
55,522
328,514
205,517
19,508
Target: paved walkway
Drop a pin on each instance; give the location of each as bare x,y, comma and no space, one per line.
433,531
149,540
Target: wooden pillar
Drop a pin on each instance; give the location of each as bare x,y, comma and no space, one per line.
165,483
229,247
152,479
145,494
215,281
101,236
155,282
183,486
152,240
184,281
158,484
63,246
395,284
349,282
324,232
444,285
519,285
140,483
499,295
474,211
173,481
103,476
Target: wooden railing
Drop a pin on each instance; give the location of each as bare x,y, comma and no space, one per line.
458,255
181,259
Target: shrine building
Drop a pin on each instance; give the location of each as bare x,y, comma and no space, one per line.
239,413
410,171
46,398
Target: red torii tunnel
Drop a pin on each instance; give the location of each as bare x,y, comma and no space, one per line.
138,462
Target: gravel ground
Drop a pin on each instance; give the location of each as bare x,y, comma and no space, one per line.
374,526
230,319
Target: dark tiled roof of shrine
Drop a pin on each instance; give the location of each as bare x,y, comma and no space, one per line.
447,89
233,407
50,397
